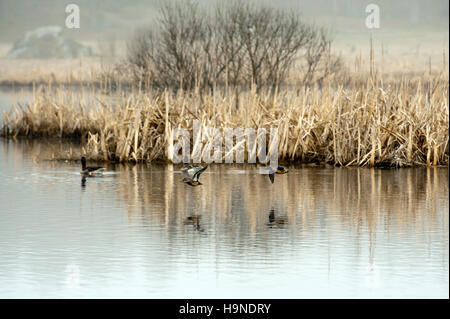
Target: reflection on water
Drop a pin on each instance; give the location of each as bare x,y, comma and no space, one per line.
275,221
139,231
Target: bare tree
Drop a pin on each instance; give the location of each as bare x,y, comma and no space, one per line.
236,45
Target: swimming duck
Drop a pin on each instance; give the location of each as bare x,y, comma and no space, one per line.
90,170
192,174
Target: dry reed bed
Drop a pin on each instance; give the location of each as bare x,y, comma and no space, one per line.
369,125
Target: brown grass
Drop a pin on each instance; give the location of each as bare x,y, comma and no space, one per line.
402,123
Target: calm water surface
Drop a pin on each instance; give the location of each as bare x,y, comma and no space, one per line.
314,233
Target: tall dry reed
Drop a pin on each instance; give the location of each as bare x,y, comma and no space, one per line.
400,124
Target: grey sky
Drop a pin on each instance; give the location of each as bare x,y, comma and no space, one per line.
120,18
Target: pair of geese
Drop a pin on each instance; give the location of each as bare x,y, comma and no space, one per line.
191,173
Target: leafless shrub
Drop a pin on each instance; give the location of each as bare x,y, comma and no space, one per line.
235,45
320,62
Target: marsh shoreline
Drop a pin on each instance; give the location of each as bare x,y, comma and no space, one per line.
400,124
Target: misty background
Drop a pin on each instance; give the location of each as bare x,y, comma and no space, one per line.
117,20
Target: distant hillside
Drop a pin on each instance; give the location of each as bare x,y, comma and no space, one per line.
118,18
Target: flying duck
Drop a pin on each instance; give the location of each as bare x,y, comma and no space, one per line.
279,170
90,170
192,174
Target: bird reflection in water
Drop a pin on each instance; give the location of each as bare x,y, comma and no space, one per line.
83,182
276,221
194,220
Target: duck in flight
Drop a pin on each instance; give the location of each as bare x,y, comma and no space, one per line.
279,170
192,174
90,170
